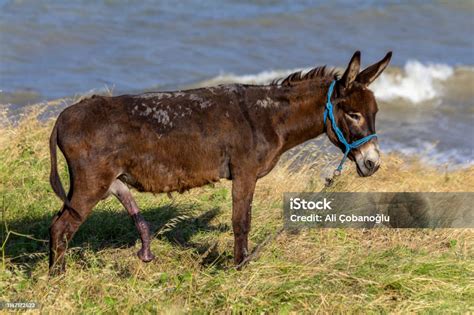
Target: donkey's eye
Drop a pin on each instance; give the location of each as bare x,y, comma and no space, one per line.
354,116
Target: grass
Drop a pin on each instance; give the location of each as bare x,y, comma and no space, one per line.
327,270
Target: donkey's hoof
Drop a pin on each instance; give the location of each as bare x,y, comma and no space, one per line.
145,255
56,270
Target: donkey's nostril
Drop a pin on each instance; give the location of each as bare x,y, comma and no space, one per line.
369,164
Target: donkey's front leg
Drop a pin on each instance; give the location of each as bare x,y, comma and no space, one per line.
242,195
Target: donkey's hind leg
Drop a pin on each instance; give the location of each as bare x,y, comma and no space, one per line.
121,191
65,224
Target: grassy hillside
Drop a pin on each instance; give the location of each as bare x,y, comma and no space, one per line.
328,270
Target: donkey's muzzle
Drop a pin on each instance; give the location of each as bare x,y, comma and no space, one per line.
368,159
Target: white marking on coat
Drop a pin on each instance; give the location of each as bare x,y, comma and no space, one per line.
162,116
202,103
231,88
147,111
212,90
267,102
194,97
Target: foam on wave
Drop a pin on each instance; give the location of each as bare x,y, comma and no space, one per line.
417,82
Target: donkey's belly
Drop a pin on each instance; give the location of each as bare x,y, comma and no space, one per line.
167,177
167,183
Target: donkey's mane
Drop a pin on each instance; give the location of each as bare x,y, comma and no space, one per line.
321,73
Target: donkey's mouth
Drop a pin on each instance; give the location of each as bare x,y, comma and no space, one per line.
360,172
366,172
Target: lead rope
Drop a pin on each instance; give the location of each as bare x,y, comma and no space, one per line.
329,111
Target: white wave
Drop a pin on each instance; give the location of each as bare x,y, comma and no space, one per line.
416,83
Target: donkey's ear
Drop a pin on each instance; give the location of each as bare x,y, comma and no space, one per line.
352,70
371,73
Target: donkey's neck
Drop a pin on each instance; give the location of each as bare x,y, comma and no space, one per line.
303,119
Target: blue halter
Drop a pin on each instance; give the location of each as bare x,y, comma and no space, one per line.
329,111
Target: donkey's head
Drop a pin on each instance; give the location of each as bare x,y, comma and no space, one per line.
354,111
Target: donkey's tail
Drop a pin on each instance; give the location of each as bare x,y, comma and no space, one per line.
54,176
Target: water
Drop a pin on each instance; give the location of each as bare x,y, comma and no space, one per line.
52,49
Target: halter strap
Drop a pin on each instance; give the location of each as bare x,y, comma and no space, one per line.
329,111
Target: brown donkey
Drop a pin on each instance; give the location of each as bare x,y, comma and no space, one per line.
174,141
